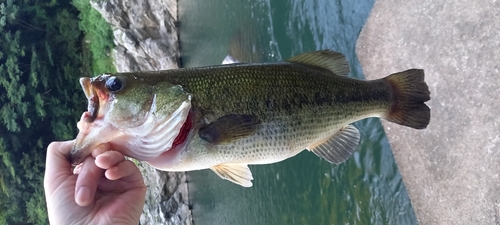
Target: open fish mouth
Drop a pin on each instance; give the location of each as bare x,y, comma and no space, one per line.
93,99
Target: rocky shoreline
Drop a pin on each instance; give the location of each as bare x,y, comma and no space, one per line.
146,39
145,34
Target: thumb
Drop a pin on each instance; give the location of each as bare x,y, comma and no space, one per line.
57,165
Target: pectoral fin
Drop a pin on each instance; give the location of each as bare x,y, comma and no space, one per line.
229,127
338,147
236,173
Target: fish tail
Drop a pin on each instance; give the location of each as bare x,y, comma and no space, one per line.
410,92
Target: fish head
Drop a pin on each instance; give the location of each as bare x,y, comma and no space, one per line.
125,106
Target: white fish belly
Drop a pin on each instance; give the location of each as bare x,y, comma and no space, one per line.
273,142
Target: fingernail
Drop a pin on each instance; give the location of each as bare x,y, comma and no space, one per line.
83,196
77,169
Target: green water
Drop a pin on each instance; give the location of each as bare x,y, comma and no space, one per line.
367,189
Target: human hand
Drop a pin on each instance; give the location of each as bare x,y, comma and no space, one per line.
105,189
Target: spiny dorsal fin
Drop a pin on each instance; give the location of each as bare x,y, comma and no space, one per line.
236,173
327,59
229,127
339,147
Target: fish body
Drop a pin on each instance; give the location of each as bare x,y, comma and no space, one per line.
226,117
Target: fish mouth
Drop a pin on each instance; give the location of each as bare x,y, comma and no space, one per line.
93,99
81,149
89,120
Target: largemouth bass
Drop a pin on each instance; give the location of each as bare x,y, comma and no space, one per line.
227,117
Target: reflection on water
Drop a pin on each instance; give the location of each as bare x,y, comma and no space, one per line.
212,29
244,46
367,189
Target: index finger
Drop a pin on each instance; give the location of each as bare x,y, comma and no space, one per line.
57,164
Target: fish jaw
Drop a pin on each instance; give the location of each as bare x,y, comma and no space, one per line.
92,127
90,135
93,103
97,98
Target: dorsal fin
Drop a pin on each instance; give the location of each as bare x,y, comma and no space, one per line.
327,59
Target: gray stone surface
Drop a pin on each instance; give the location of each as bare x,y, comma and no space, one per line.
144,32
451,169
166,197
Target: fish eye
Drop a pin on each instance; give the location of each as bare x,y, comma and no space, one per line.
114,84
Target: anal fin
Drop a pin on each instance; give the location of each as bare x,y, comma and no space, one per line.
234,172
339,147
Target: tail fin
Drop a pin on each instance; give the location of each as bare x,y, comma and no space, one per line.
410,92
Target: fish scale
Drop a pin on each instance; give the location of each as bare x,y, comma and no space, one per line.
226,117
246,91
303,121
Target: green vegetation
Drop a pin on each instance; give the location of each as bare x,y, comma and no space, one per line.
98,37
43,53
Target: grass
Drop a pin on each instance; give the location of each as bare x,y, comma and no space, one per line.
98,41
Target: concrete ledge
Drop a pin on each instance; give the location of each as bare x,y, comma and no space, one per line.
451,169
